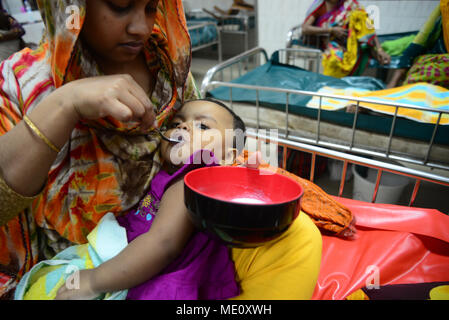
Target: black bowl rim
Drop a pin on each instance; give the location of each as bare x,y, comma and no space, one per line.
301,193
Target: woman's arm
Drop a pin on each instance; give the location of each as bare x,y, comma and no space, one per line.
309,29
25,159
13,30
145,256
380,54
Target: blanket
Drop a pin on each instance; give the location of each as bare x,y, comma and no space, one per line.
43,281
417,94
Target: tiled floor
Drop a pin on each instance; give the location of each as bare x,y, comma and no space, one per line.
429,196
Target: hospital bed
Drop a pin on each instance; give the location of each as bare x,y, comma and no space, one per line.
237,32
275,93
205,33
399,252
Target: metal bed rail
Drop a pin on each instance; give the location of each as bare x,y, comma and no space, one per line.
295,34
250,59
243,62
311,58
351,147
201,25
380,166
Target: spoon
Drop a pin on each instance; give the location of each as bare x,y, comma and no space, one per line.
166,138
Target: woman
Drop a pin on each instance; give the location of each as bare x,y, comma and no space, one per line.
426,59
349,29
89,96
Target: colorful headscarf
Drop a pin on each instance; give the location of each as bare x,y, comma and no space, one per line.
106,166
122,161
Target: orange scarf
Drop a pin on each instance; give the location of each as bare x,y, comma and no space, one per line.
328,215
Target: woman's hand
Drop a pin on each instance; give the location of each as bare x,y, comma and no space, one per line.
383,57
85,291
339,33
118,96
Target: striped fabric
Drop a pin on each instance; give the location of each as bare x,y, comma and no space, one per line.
419,94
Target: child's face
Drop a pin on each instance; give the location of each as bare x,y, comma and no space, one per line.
116,30
199,125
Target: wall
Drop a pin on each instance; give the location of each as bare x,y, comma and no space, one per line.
401,16
209,4
277,17
12,6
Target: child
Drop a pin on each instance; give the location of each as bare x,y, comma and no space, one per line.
204,267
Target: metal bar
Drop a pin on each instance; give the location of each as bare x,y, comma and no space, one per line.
354,124
376,188
284,157
318,121
354,159
324,95
230,98
433,137
392,131
343,178
287,98
211,72
312,167
414,193
257,108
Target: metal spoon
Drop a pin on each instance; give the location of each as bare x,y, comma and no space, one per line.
166,138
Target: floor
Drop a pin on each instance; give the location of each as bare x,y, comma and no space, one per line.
429,196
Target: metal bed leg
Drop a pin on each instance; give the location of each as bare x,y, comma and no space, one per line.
415,192
343,178
354,124
392,130
284,157
433,138
318,121
257,108
287,101
312,167
376,188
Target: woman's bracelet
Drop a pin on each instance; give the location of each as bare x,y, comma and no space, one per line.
40,134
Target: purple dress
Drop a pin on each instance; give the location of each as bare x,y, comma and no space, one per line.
203,271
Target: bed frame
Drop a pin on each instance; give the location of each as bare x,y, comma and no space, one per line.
381,166
418,166
296,38
197,28
227,24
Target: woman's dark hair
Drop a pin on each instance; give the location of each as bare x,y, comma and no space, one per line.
238,124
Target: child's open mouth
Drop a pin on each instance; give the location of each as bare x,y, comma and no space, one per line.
181,136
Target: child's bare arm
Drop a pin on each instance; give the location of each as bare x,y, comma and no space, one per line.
146,255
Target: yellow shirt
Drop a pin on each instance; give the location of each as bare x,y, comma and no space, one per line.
284,270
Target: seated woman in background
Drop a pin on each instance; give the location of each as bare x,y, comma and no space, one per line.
10,35
351,35
427,54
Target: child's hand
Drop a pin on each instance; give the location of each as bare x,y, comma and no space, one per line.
253,161
85,290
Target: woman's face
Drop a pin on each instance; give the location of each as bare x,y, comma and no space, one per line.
116,30
199,125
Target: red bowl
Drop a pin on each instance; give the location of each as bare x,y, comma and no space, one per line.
243,207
